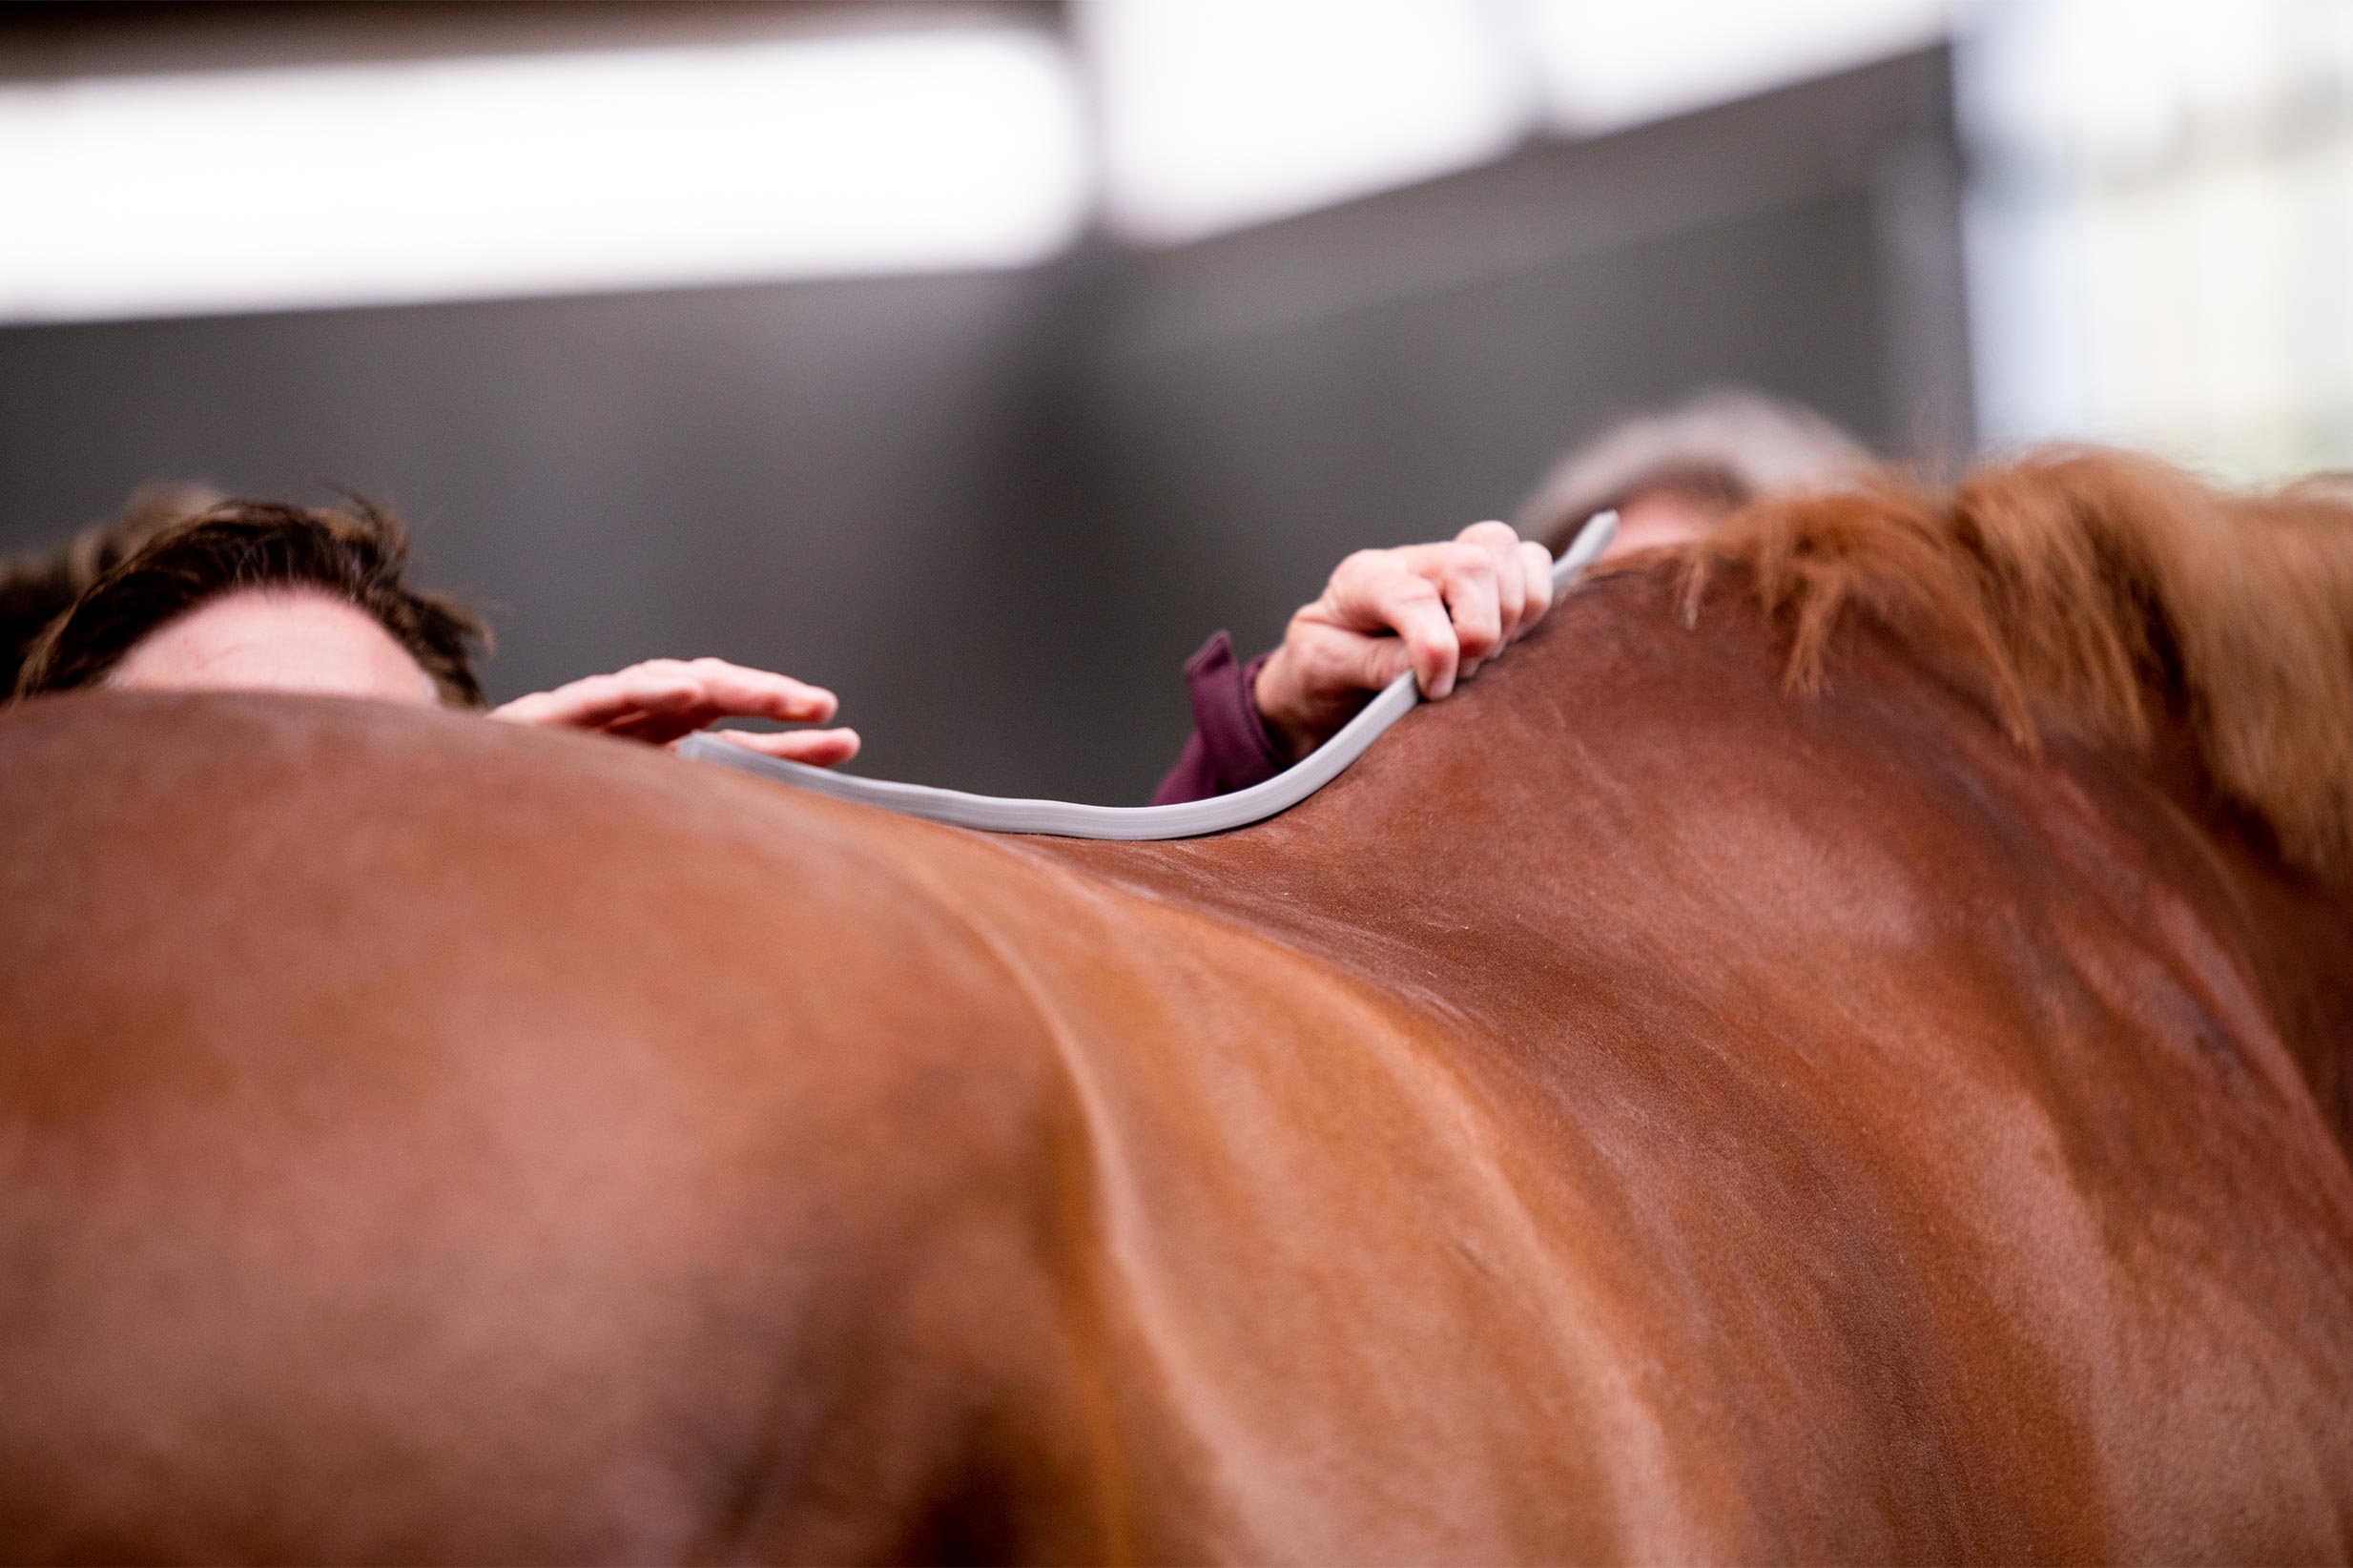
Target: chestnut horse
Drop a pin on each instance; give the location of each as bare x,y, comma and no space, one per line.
1641,1112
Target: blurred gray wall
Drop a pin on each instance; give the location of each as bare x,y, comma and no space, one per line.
997,512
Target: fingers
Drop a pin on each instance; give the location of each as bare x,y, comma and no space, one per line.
1444,600
1523,578
1475,599
1535,564
598,700
1332,661
661,699
735,690
1502,548
1397,591
817,747
1452,606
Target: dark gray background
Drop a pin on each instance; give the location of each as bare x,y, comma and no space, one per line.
997,512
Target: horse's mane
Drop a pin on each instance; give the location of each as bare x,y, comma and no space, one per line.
2094,591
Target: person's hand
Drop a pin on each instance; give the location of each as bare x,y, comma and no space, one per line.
1440,610
663,700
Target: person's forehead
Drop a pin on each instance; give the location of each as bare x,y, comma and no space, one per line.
276,612
289,637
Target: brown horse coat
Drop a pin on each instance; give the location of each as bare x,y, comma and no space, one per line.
1635,1114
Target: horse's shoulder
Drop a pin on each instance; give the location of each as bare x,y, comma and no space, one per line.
656,1081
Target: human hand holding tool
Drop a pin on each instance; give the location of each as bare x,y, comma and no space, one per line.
1440,610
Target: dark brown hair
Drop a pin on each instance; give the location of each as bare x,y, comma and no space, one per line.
37,586
357,556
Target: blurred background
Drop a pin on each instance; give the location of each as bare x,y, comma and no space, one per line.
979,358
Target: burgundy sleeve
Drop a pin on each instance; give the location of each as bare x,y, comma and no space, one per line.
1230,748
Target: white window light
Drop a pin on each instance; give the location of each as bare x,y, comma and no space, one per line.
1606,65
1218,113
257,189
2111,81
2157,237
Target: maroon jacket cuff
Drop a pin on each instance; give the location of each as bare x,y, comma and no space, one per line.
1230,748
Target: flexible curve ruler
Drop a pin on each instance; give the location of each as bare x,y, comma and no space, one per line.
1188,820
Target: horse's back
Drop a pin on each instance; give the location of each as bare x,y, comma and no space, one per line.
426,1140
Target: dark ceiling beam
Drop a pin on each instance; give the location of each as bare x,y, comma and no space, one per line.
51,40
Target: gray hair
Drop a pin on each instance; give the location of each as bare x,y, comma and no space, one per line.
1727,442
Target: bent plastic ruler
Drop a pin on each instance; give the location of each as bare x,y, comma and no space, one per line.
1188,819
